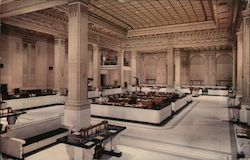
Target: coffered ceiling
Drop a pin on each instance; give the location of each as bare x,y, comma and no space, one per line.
121,16
137,14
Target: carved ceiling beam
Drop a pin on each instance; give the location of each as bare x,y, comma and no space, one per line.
33,26
215,10
98,21
26,6
172,28
103,40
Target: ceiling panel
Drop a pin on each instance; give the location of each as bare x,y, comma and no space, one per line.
136,14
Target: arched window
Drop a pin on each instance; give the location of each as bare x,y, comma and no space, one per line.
224,64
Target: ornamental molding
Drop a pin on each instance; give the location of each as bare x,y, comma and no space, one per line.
58,27
172,28
180,39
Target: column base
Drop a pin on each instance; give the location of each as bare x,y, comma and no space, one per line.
77,117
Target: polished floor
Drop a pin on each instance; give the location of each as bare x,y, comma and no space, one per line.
200,131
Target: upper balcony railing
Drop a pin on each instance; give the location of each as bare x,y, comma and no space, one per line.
109,63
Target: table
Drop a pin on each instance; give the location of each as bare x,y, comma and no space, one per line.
103,137
6,112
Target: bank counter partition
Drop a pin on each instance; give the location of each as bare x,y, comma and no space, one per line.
141,115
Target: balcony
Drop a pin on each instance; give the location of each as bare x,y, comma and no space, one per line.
109,65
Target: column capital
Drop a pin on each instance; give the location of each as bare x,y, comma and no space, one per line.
239,33
133,53
94,45
177,50
86,2
60,37
246,13
78,6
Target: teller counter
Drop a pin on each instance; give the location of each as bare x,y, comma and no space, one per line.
131,113
217,92
32,102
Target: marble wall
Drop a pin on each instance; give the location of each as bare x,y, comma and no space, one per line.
26,61
210,67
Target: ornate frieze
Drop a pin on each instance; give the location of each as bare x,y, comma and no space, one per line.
210,35
46,22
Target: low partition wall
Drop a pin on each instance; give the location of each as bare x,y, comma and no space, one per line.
25,103
217,92
131,113
179,104
137,114
112,91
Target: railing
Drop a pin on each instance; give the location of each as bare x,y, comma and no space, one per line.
109,63
126,63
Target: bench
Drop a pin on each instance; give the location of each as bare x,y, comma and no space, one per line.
24,138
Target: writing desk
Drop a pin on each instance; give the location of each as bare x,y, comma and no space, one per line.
102,137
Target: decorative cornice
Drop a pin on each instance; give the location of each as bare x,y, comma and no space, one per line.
58,28
172,28
26,6
179,39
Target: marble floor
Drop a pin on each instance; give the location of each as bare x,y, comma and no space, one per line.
200,131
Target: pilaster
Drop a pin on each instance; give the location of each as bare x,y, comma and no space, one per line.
77,108
246,56
177,54
121,66
96,67
133,66
239,63
234,50
59,61
170,66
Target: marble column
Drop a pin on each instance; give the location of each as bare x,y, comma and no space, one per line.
170,66
59,62
120,69
133,67
246,55
177,54
239,64
96,67
77,107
